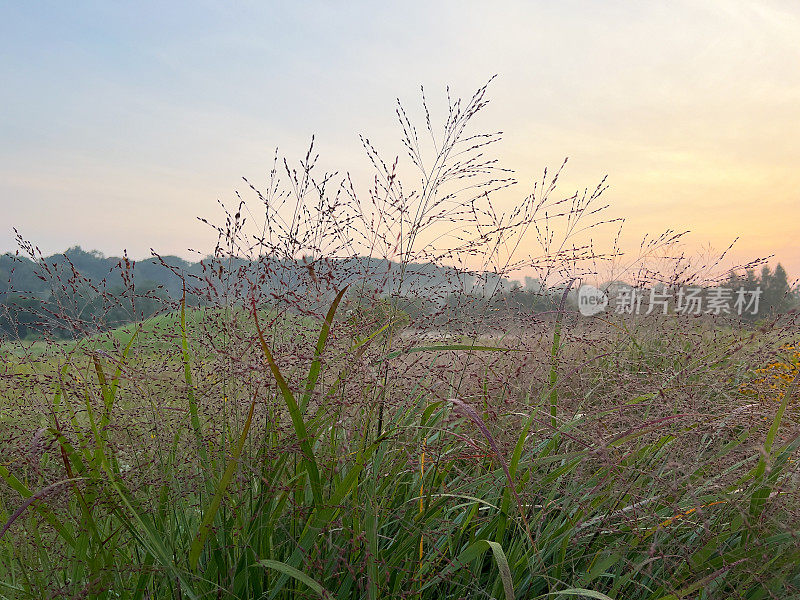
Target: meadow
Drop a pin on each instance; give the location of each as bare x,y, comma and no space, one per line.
141,464
332,443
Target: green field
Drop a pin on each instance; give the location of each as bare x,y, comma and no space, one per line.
157,461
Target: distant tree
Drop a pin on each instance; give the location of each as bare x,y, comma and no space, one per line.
776,294
532,284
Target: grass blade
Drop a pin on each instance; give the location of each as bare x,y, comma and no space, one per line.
213,507
295,414
295,574
316,365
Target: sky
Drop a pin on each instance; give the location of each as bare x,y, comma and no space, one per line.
123,122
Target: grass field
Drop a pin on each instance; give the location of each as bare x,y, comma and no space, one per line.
221,459
296,439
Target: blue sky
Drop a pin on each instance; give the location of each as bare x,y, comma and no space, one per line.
122,122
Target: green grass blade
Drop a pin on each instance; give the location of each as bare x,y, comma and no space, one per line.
295,574
443,347
502,565
474,551
194,413
295,414
16,485
555,350
316,365
213,507
579,592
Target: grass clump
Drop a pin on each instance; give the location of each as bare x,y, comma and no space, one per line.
314,432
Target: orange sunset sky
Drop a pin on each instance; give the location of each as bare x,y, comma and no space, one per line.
123,122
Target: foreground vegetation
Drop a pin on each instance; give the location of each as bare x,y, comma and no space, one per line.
294,493
324,439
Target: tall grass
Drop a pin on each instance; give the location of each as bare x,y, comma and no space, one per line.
345,514
304,437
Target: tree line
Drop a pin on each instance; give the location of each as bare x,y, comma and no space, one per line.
77,293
